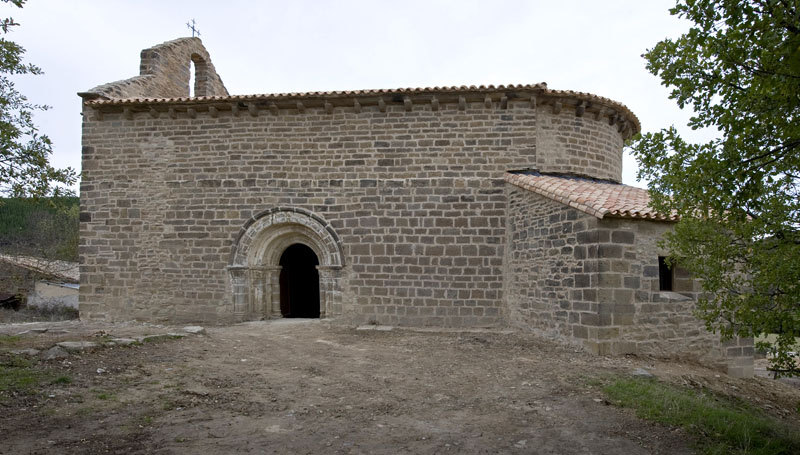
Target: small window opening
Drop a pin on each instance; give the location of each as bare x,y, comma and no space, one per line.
191,79
664,275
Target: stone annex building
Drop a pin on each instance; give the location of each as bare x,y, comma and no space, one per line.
453,207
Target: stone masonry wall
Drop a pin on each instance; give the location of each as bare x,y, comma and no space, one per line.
551,279
415,197
578,145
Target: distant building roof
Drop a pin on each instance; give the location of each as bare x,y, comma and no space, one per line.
61,270
595,197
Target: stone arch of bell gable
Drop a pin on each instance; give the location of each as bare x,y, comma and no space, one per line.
254,265
201,74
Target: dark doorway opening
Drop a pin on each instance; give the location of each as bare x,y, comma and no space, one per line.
299,282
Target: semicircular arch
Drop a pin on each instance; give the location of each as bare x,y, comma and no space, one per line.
266,236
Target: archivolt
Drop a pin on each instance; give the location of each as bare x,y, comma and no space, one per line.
254,265
264,237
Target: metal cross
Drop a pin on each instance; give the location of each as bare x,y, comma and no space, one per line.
193,28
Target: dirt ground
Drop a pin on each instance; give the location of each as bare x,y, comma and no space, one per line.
300,386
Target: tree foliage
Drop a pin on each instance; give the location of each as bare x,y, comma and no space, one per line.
738,68
25,169
45,228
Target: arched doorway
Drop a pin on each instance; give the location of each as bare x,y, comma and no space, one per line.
299,282
265,245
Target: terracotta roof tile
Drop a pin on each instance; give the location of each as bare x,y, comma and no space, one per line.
337,93
541,87
597,198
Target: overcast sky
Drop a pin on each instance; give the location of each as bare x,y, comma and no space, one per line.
312,45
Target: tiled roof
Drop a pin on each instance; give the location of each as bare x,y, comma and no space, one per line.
597,198
540,87
338,93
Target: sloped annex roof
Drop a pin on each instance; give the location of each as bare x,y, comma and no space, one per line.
596,197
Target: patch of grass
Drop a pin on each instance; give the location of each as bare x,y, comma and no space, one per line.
17,374
62,380
7,341
101,394
592,381
721,426
20,375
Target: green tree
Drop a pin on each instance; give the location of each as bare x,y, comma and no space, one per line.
738,67
25,169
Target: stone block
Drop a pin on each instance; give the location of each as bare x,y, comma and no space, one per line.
622,237
590,319
586,237
623,318
623,296
605,296
610,280
620,266
580,332
607,250
607,333
582,280
650,271
632,282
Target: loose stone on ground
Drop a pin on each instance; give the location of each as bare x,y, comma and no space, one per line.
77,346
55,353
641,373
123,341
195,330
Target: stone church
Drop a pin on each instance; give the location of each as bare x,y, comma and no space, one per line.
479,206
